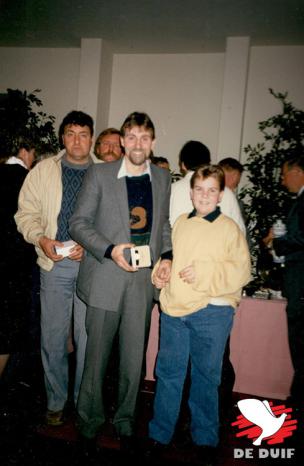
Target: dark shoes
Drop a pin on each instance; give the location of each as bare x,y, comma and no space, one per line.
154,450
206,455
87,447
128,444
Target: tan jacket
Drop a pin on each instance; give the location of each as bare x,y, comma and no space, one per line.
40,202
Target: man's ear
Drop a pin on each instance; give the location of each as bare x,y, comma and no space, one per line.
122,142
183,167
221,195
22,153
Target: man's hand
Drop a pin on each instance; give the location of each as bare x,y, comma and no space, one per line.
76,253
119,259
268,239
48,247
162,275
188,274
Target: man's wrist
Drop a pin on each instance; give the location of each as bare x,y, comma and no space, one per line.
168,255
108,253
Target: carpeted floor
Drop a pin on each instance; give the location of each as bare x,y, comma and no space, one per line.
24,439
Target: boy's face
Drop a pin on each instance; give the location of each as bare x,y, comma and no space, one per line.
205,195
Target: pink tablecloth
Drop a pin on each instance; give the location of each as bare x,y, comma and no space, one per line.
259,348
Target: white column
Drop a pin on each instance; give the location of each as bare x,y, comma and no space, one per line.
95,76
233,98
88,87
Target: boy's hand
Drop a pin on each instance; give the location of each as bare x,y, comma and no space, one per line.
162,275
188,274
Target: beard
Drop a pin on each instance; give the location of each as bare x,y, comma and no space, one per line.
137,156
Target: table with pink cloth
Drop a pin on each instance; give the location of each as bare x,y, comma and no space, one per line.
259,349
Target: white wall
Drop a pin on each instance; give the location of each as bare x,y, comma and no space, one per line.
54,71
181,94
279,68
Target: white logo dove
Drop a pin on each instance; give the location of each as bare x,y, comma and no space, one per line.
260,413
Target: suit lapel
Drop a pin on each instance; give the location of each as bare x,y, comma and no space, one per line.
155,197
122,202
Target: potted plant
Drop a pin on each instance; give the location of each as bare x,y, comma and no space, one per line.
263,196
20,117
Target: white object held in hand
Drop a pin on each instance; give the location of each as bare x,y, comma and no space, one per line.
65,250
279,229
140,256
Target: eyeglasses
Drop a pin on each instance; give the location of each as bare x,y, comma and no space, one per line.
115,145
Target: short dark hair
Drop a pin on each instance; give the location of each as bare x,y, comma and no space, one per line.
229,163
193,154
138,119
207,171
158,159
24,143
295,159
76,117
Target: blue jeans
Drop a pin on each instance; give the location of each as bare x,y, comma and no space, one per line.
200,337
60,307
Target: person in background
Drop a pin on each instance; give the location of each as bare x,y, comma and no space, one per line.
161,162
192,155
233,170
121,205
46,202
17,256
291,245
107,147
211,264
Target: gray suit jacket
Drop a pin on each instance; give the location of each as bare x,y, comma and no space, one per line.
101,218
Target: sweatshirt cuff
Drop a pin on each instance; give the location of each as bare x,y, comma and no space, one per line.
109,250
167,255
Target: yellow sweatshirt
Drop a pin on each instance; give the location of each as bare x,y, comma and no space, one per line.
219,253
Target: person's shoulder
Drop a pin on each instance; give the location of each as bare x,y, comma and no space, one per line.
161,174
180,185
106,167
47,162
180,220
229,194
228,222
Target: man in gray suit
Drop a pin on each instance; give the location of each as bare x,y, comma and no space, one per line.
121,204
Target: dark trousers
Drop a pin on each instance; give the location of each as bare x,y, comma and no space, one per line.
294,292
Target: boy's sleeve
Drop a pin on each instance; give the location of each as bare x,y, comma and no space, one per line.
218,278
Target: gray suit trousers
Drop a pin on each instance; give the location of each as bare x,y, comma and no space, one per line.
132,322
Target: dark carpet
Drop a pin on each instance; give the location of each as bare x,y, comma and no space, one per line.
25,439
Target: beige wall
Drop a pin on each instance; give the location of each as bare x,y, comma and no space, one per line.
182,93
279,68
54,71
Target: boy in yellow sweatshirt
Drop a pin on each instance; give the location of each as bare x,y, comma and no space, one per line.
211,264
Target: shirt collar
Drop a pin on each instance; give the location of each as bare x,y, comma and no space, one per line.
123,170
16,161
210,217
300,191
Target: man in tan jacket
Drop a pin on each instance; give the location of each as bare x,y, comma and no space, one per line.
46,202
